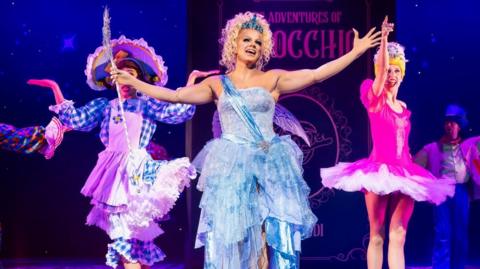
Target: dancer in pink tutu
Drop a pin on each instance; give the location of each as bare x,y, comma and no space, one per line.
129,190
389,177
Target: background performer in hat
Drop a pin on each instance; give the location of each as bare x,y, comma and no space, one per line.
455,158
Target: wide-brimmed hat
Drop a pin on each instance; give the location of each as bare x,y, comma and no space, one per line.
151,66
456,114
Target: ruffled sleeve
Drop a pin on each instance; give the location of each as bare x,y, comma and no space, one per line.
83,118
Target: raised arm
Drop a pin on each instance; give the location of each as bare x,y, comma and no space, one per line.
47,83
196,94
381,63
292,81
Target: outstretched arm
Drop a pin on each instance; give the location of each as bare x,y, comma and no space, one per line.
292,81
382,60
199,74
47,83
84,118
174,113
196,94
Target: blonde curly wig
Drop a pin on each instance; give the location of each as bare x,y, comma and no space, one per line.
229,40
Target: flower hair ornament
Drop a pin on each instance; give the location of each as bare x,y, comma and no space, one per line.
396,56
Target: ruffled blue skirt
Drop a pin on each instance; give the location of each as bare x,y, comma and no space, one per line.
247,189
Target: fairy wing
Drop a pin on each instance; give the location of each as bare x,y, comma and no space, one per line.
288,122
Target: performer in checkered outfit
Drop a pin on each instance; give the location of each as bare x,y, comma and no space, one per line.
129,190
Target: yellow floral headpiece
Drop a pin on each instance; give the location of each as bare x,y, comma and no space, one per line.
396,55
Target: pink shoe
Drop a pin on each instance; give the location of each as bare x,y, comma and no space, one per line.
54,135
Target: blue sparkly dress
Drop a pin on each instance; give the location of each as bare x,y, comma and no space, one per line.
251,180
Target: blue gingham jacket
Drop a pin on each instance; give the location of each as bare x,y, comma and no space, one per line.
98,111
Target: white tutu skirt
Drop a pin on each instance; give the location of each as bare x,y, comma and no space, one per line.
382,179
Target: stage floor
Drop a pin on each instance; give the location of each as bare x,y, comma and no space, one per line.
97,264
70,264
429,267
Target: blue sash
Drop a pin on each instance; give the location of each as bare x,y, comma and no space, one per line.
239,105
